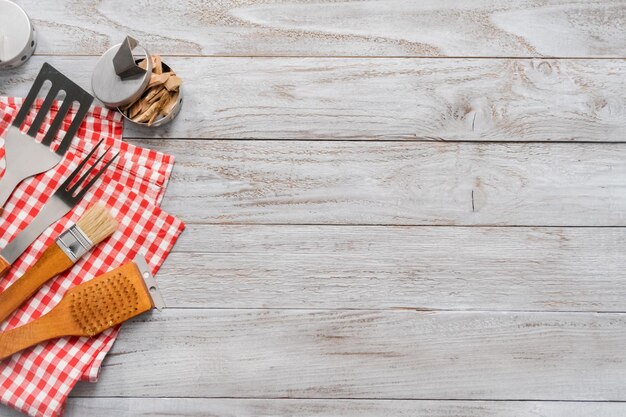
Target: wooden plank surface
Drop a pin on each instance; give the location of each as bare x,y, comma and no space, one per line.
377,183
200,407
388,99
548,269
578,28
367,354
327,212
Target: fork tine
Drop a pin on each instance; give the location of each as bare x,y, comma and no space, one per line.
95,178
86,174
80,166
56,123
32,95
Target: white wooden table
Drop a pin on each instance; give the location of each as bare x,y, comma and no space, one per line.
407,208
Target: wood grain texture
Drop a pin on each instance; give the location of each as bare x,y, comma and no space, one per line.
317,182
197,407
51,263
4,267
547,269
317,311
365,354
330,28
372,99
49,326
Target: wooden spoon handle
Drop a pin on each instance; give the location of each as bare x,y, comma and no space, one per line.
51,263
4,267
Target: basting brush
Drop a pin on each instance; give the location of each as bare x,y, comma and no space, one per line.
92,228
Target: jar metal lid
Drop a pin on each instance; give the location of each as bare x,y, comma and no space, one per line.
114,80
17,35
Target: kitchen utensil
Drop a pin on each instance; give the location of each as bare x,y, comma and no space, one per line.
96,225
59,204
25,156
90,308
17,35
118,80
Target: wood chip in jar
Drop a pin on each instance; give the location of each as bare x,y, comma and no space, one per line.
163,100
147,114
158,79
150,93
173,83
169,106
157,96
136,108
157,68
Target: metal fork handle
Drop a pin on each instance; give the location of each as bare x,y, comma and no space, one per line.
24,158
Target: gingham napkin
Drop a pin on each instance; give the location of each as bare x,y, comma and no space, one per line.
38,380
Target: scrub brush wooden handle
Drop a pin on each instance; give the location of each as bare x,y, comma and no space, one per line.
20,338
85,310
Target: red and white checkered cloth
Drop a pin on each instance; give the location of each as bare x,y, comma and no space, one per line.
38,380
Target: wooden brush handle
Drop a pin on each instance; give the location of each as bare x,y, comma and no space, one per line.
85,310
4,267
51,263
46,327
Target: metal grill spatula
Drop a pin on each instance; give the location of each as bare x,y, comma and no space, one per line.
25,156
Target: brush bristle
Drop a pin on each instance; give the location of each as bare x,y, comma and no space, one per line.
97,223
109,301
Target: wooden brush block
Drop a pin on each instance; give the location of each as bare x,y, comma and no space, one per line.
85,310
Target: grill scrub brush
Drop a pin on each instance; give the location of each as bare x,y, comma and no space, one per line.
90,308
96,225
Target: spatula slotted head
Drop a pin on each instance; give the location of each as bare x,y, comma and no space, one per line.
109,300
72,94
